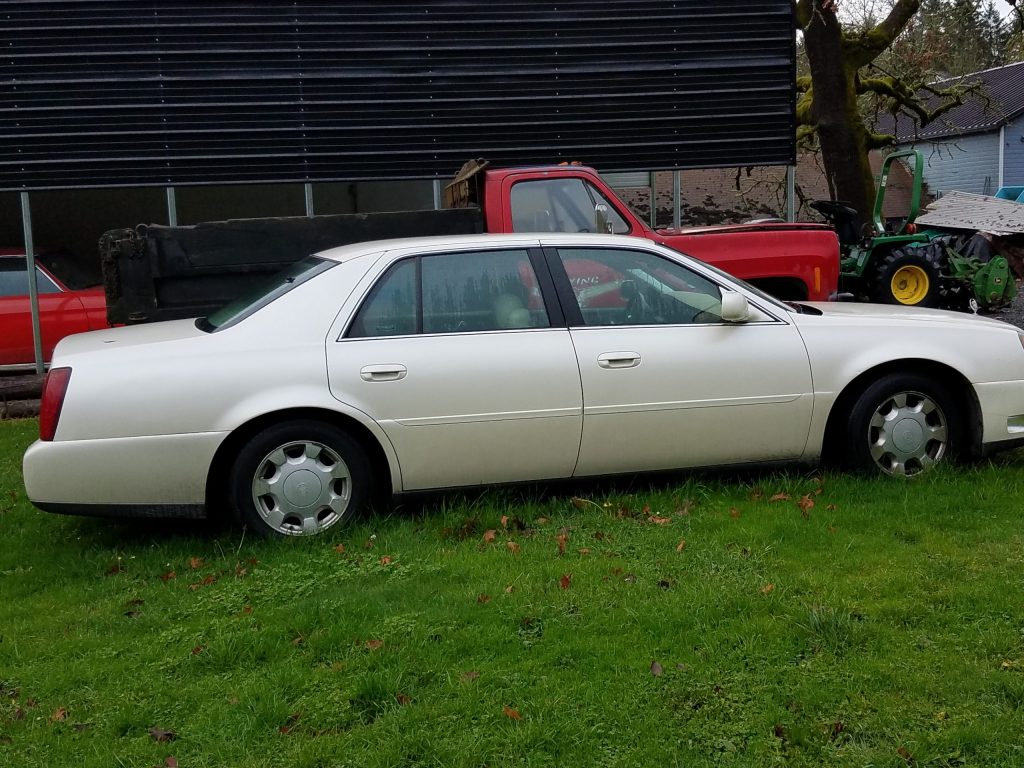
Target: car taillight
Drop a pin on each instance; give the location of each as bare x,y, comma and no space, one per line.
55,386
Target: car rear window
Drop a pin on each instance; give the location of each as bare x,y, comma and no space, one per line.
263,293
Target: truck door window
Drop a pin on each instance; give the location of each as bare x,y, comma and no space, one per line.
453,293
562,205
626,287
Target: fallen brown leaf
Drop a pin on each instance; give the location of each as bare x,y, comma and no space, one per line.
162,734
340,549
681,545
542,521
195,563
504,522
489,536
905,754
510,589
170,762
60,714
806,504
373,645
482,598
734,512
198,649
584,503
512,547
656,669
584,551
402,699
512,713
385,560
659,520
562,539
767,589
169,576
780,497
566,581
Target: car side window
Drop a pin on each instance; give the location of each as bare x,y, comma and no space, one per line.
453,293
625,287
14,279
563,205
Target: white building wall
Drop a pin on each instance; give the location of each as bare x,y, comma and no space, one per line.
967,164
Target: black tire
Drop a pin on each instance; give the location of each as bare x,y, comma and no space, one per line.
902,424
314,474
909,276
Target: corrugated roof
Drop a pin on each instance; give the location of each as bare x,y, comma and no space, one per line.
1000,100
97,93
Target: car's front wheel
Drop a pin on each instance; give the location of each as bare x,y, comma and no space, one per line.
298,478
903,424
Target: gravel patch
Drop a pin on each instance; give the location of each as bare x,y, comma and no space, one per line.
1014,313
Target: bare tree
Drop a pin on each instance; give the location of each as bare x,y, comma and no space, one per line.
842,70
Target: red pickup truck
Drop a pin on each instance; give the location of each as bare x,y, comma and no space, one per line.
156,272
790,261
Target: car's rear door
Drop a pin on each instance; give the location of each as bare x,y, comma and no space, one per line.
666,382
463,358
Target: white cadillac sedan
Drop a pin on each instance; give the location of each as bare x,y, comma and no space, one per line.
407,365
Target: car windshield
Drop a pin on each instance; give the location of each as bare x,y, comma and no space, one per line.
264,292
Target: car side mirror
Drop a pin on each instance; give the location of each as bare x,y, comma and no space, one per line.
735,308
602,221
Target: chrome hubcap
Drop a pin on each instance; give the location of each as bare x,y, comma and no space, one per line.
301,488
907,434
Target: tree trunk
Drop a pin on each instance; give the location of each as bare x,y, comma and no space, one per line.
840,129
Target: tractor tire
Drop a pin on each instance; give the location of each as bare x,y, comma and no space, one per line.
909,277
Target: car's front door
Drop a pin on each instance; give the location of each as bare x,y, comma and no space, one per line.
666,382
466,367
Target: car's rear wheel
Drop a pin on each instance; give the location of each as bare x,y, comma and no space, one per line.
903,424
299,478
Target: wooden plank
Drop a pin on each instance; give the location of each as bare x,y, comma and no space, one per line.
981,213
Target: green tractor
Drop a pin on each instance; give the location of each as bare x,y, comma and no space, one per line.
905,264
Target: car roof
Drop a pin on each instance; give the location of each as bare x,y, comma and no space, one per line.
464,242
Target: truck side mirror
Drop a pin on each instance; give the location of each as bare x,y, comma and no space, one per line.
735,308
602,222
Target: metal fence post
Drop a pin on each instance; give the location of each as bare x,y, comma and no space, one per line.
172,208
33,286
307,188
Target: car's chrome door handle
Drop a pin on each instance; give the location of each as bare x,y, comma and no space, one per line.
387,372
619,360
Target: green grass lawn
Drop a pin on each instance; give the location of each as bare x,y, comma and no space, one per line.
687,621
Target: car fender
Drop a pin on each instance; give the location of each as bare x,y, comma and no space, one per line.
260,404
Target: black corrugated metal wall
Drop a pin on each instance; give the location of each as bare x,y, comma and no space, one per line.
171,92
